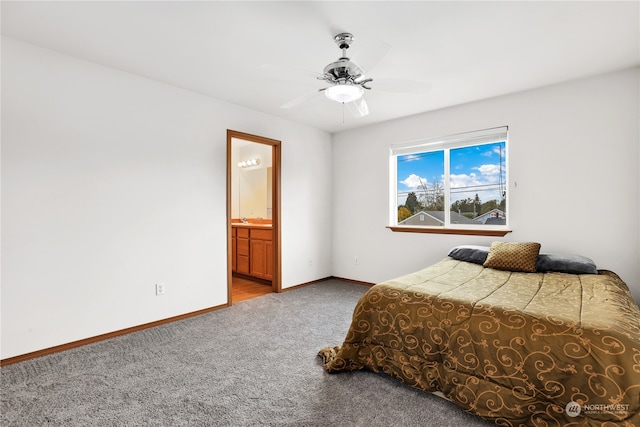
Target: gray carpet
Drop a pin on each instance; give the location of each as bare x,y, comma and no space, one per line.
252,364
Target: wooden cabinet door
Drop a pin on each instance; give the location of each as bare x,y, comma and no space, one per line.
234,249
268,251
234,254
258,258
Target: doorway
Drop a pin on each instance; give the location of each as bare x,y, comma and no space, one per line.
253,225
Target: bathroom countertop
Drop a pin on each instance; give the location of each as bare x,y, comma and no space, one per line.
250,225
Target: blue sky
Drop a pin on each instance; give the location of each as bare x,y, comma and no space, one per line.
474,169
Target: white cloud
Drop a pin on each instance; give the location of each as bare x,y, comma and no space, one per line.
484,184
489,174
489,169
464,180
413,181
411,158
495,150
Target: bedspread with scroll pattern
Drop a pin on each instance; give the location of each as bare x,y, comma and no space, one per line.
547,349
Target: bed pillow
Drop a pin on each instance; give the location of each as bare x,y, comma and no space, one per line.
565,263
470,253
513,256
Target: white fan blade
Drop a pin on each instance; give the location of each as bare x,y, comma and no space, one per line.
279,72
301,100
400,86
359,107
370,54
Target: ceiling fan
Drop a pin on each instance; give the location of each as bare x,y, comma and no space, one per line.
348,82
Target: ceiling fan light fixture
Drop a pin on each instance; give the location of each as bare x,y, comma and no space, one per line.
344,93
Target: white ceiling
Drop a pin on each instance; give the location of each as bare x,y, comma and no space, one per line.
466,50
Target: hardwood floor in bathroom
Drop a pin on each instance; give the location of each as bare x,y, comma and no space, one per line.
243,289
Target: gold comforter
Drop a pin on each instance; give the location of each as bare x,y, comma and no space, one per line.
515,348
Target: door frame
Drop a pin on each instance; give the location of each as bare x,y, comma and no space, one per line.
276,283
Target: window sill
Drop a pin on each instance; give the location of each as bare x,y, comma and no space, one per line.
442,230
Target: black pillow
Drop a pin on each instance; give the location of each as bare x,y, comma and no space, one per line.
565,263
470,253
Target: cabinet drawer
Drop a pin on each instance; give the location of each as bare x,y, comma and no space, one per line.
260,234
242,246
242,232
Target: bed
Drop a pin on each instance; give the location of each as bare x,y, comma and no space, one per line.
555,344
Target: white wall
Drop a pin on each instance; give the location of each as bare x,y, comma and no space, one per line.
112,182
574,151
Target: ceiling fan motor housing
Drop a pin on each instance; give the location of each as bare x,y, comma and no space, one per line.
343,70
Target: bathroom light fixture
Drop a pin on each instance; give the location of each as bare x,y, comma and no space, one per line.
343,92
249,163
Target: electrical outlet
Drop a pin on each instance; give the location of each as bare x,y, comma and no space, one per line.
160,288
310,263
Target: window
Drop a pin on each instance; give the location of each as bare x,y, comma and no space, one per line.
466,173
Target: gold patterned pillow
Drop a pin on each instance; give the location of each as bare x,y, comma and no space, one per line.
513,256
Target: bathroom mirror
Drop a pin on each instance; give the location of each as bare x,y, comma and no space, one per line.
254,189
251,178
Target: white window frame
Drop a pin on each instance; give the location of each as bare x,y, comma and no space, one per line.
446,143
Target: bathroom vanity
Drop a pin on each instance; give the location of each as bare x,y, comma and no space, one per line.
252,249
